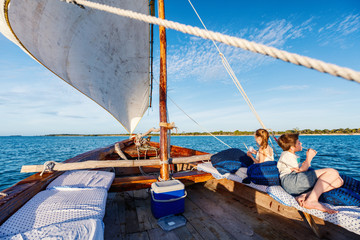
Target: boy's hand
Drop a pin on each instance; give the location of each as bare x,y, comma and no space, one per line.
297,170
310,154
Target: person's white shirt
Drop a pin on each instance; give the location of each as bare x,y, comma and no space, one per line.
268,157
286,162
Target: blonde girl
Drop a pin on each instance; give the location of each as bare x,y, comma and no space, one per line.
265,152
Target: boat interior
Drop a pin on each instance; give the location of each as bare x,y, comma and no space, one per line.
212,212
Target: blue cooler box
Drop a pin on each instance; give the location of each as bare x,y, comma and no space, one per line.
167,198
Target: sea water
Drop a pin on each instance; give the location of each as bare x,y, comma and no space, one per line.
339,152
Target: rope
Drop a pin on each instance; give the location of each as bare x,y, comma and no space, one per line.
48,166
233,41
207,131
232,74
3,194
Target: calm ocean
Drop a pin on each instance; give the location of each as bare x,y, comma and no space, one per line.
339,152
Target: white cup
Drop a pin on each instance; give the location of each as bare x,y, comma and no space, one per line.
251,149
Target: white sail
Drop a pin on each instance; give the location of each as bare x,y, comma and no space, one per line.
104,56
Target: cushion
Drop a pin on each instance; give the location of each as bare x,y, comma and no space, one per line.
241,172
347,195
350,183
89,229
83,179
265,173
56,206
230,160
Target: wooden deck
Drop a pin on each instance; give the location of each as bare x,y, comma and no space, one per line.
210,214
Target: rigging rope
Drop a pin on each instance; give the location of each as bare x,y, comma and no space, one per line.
236,80
232,74
207,131
318,65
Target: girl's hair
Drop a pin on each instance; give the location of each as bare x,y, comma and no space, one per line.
287,140
264,137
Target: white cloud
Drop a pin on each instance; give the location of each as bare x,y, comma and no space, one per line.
198,59
339,31
288,87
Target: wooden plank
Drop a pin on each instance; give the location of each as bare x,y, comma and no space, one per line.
311,223
203,222
137,236
132,223
140,182
158,233
143,209
221,213
112,163
187,232
114,219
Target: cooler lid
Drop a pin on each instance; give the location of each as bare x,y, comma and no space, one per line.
167,186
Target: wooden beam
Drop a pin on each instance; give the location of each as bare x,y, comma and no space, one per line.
112,163
309,219
121,184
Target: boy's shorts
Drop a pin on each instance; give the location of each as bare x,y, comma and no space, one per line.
299,183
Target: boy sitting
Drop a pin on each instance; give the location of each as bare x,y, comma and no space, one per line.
307,185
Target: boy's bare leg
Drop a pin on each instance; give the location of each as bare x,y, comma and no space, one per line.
329,179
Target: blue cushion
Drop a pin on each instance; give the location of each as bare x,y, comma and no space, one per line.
265,173
347,195
230,160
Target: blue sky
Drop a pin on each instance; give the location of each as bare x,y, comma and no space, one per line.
286,96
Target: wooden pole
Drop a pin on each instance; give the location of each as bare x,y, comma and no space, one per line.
89,164
164,170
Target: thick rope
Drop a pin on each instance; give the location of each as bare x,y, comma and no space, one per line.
3,194
48,166
233,41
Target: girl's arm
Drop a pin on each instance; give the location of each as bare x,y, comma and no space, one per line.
250,154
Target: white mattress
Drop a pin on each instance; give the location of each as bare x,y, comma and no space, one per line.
83,179
89,229
56,206
348,217
239,176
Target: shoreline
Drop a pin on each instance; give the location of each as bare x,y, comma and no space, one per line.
182,135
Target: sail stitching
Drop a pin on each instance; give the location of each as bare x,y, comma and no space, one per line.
308,62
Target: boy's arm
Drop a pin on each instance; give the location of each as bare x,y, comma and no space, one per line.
310,154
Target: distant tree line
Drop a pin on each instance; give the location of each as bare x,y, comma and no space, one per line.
237,132
295,130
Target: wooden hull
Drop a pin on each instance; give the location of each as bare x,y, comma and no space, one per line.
129,178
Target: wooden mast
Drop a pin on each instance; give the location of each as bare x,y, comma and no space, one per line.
164,171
